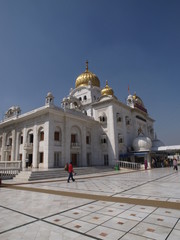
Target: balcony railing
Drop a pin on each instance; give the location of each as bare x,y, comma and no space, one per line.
7,148
28,146
10,164
57,143
75,145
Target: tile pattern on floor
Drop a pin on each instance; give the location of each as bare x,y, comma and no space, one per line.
45,216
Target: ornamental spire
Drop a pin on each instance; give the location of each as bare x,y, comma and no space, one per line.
87,66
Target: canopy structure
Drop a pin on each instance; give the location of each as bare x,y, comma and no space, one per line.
142,153
170,149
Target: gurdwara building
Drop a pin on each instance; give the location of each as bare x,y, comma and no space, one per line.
91,127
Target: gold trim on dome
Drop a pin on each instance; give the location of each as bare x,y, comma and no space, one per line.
87,78
107,90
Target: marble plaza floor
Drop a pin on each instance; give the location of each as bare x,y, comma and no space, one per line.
139,205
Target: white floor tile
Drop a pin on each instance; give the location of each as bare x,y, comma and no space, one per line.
151,231
105,233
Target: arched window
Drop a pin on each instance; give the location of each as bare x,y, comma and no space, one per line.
21,138
75,104
30,136
0,142
118,117
57,134
41,134
128,120
103,118
103,138
9,139
120,138
75,137
88,138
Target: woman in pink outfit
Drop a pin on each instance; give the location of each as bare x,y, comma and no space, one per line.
145,164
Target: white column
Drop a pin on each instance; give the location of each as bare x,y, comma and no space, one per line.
35,147
24,152
149,159
112,134
83,147
66,141
3,156
13,145
17,144
48,138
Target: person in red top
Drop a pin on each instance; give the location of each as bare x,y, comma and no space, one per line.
71,171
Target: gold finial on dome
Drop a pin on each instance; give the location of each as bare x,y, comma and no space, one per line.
135,96
87,66
107,90
86,77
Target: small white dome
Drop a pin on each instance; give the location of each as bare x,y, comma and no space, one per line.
49,94
157,143
142,143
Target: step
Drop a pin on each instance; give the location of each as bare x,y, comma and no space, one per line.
50,174
35,175
23,176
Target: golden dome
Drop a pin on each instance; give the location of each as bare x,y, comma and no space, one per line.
138,103
138,100
86,77
107,90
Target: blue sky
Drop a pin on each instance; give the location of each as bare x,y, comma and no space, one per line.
44,45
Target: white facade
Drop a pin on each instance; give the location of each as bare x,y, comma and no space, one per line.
92,127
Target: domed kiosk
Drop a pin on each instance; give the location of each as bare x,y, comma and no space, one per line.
142,144
107,90
156,143
142,147
135,101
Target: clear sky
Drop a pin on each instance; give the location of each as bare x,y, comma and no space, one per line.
44,45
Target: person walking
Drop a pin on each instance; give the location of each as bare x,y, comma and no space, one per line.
71,171
145,164
175,164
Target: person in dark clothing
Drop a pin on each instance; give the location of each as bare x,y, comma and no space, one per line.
71,171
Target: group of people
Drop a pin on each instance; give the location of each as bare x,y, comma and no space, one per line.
165,163
158,162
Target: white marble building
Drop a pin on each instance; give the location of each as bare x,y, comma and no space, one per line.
92,127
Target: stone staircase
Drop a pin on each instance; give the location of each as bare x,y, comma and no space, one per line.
22,176
57,173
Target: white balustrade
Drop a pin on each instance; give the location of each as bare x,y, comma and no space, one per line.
8,169
131,165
